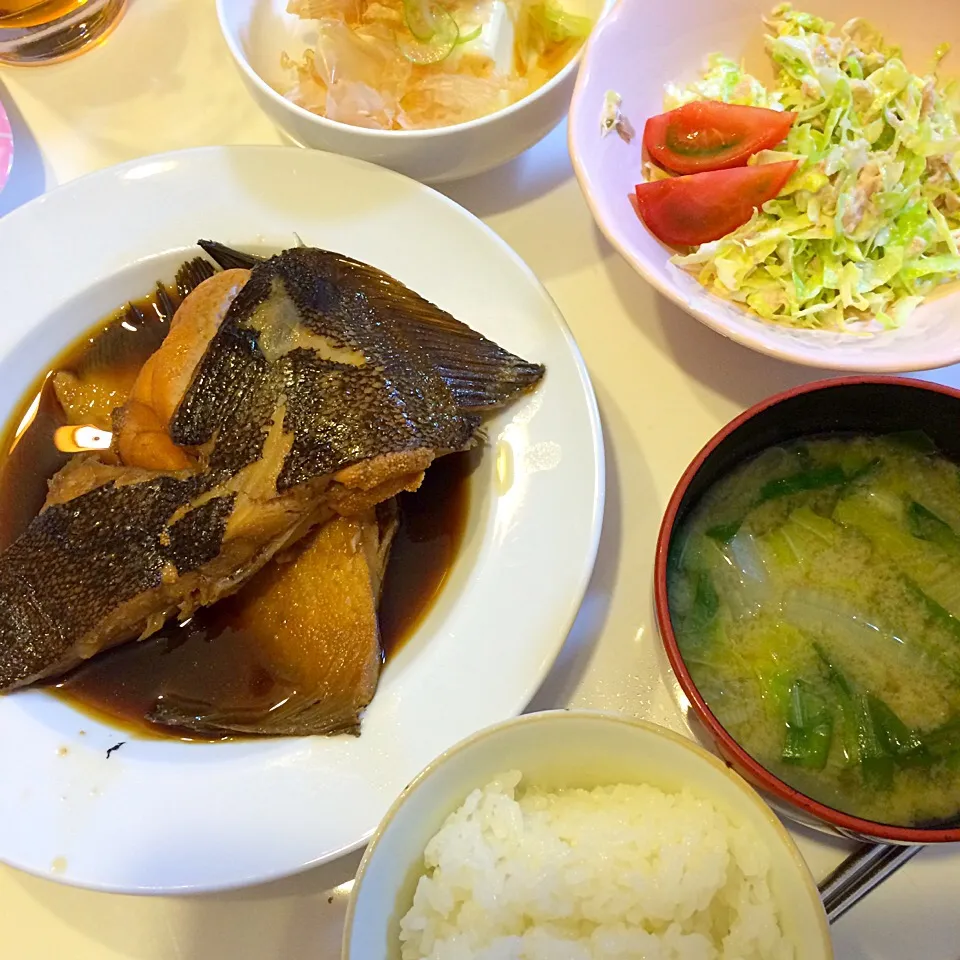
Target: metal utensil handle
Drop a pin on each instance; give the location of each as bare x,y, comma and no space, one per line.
866,868
861,860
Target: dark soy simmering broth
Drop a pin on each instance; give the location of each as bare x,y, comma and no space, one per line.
208,653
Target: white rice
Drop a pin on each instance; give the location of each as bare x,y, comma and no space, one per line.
614,873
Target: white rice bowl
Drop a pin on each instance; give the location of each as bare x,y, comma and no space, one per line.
615,873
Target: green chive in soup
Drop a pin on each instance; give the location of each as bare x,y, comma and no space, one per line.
815,596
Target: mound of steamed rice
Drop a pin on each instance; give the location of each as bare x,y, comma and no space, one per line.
615,873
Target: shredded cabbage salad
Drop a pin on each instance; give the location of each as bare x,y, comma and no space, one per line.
870,222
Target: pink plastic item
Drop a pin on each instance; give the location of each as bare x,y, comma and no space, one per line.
6,147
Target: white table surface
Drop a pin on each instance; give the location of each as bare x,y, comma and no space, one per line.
665,384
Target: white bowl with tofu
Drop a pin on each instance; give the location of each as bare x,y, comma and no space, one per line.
264,38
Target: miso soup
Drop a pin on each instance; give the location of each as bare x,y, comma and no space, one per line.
815,595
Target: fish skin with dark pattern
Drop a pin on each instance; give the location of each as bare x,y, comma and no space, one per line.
327,388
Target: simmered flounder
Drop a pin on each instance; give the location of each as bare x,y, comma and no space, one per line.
323,387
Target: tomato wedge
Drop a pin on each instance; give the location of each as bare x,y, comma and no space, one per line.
710,135
687,211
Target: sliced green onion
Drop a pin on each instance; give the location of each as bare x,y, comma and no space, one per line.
809,728
438,45
816,478
897,738
924,524
914,440
700,620
472,35
421,18
724,532
876,763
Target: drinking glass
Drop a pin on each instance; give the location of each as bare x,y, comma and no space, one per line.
43,31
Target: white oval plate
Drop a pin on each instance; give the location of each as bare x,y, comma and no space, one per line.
163,816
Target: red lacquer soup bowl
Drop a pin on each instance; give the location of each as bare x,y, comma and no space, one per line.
862,405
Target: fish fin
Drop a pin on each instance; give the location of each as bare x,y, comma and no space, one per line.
164,302
227,257
480,373
111,346
191,274
134,315
306,721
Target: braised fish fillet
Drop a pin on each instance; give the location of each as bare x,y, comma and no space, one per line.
309,388
90,398
142,424
480,374
313,613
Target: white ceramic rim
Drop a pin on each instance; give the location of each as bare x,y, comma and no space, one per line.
828,360
239,56
549,716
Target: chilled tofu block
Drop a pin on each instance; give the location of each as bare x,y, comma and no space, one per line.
495,41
